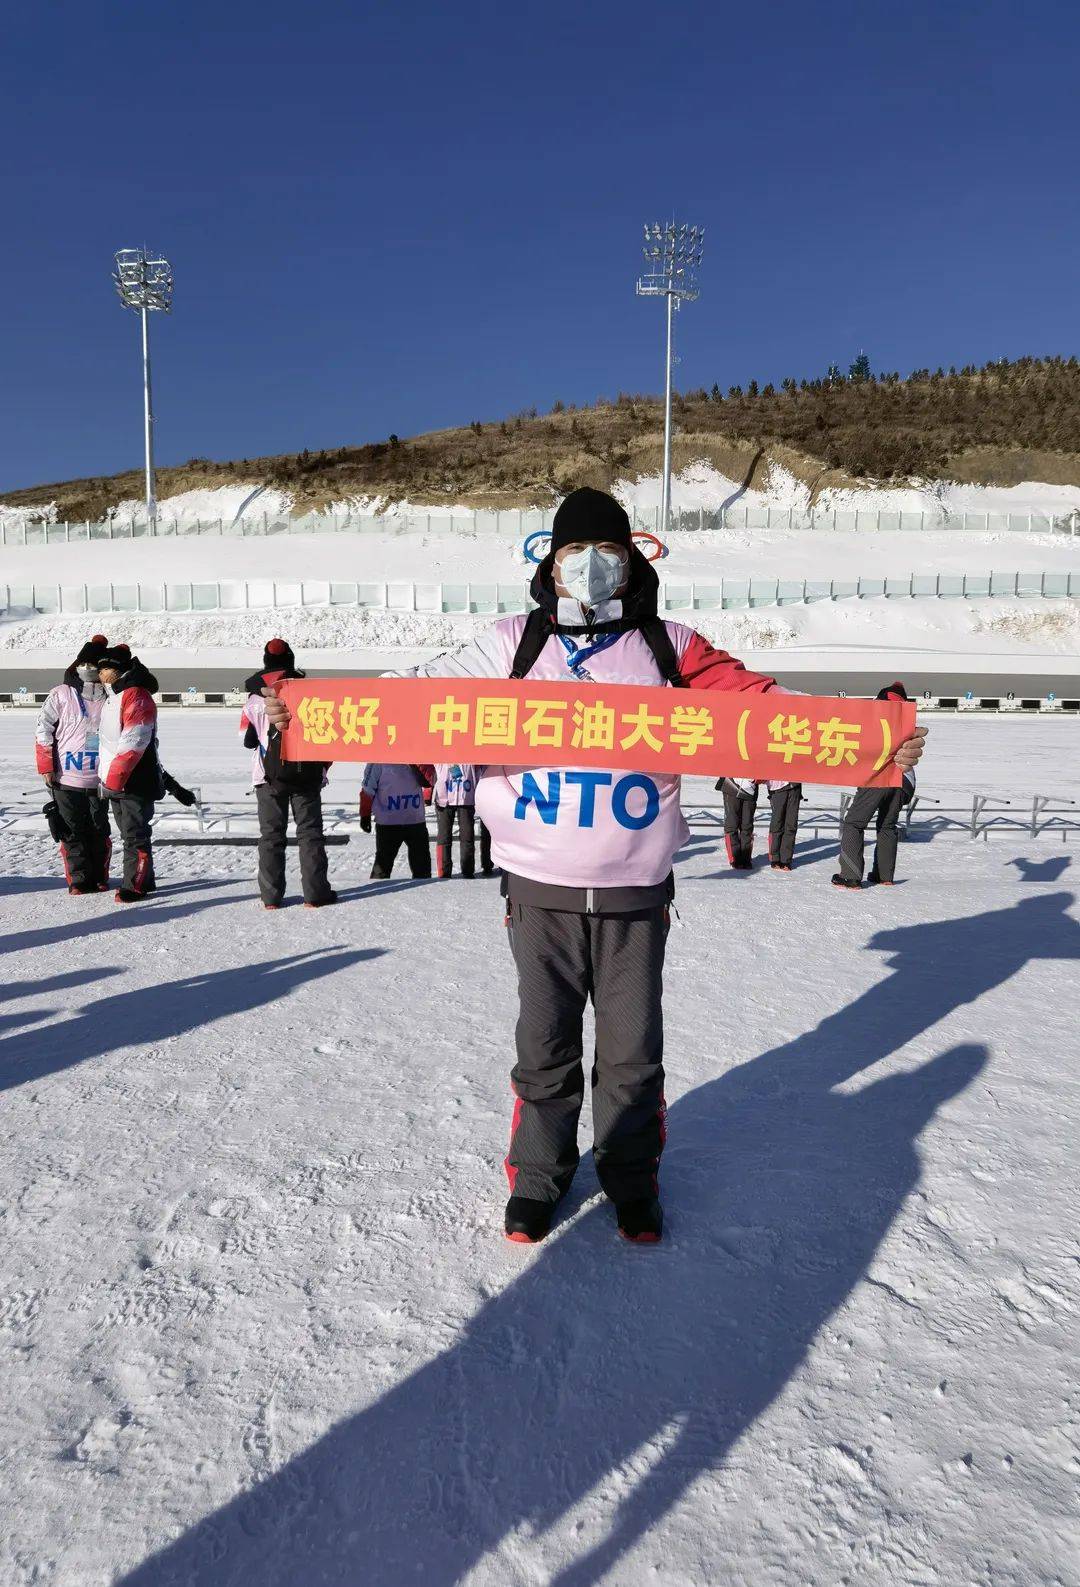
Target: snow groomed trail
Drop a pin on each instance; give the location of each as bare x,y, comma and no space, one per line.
258,1323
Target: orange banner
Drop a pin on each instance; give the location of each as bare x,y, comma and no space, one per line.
697,732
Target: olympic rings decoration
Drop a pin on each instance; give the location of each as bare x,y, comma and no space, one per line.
648,544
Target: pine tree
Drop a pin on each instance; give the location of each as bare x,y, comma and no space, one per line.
860,369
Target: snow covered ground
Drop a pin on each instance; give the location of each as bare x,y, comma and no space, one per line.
258,1325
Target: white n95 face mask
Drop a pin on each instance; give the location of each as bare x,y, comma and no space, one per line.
87,673
592,575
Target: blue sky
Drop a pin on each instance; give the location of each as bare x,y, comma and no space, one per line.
404,216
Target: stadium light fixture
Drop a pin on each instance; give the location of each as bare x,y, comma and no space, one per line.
672,260
145,283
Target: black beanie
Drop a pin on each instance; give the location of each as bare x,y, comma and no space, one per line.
590,516
278,656
118,656
893,691
92,652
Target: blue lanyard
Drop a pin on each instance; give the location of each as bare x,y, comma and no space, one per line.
576,659
82,705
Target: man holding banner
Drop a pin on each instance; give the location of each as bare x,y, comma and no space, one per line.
585,821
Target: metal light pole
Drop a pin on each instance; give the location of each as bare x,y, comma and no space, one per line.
145,283
672,259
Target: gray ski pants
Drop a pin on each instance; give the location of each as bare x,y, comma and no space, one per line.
885,804
563,959
133,817
784,823
274,806
739,811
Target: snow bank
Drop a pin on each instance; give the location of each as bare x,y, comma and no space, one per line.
981,631
698,486
222,501
701,486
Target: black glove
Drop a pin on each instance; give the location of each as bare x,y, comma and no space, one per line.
365,823
178,791
57,825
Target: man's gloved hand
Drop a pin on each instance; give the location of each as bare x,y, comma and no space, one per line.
49,779
365,823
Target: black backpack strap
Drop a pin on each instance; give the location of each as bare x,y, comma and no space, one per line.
534,636
538,630
654,631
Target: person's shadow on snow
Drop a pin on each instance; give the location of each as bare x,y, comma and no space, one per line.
640,1369
148,1014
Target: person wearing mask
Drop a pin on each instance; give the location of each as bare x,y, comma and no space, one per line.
284,786
129,767
882,805
740,807
67,733
397,797
785,799
454,795
587,859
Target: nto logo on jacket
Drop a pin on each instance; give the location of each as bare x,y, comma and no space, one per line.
404,801
634,798
80,760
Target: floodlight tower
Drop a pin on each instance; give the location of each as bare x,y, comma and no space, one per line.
672,259
145,283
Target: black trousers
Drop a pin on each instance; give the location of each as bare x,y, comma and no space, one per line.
133,817
739,811
274,806
388,840
885,804
563,960
444,838
86,852
784,823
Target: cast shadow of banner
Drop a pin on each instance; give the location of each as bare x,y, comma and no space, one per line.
603,1365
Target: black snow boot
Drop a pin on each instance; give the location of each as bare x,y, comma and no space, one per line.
842,881
641,1221
528,1221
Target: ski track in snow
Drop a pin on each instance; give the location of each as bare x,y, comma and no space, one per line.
258,1324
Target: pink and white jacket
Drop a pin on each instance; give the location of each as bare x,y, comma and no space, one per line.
393,795
253,716
455,785
583,827
66,737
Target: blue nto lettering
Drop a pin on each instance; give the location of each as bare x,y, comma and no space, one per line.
547,808
620,794
73,761
588,782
